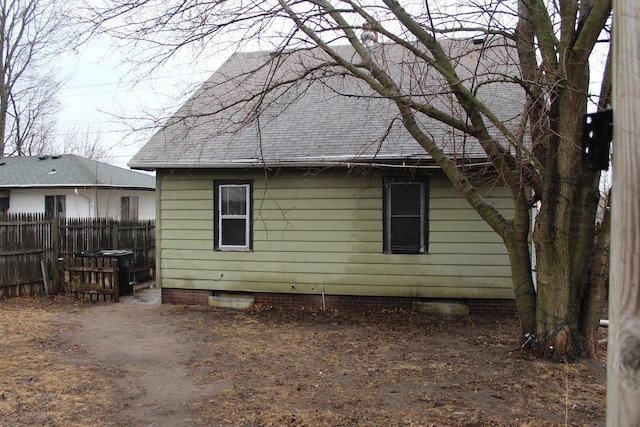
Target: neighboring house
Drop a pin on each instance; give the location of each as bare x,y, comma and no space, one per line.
326,199
71,186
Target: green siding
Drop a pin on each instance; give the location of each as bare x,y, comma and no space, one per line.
325,232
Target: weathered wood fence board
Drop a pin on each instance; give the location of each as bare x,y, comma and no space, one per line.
140,237
92,278
85,235
28,239
25,240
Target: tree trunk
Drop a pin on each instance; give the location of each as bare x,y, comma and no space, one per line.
518,247
563,225
556,327
3,110
595,293
520,260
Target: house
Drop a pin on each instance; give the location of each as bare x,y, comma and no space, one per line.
70,186
311,196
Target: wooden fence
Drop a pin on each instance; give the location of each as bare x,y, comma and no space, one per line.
25,241
92,278
32,246
96,234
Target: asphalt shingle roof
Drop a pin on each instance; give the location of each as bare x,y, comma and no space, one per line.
326,116
68,170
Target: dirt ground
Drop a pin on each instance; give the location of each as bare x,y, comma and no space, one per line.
138,363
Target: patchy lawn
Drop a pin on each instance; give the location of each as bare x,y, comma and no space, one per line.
268,367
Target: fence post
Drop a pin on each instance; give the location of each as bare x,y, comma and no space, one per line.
115,235
55,254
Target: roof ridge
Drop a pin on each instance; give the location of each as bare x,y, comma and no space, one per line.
81,162
69,170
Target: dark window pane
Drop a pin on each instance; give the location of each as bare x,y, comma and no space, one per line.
49,206
405,199
234,232
406,234
234,201
54,206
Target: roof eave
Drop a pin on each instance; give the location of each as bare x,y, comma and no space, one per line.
99,186
337,161
419,161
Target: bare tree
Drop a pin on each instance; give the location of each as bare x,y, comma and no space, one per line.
30,32
539,159
30,124
86,143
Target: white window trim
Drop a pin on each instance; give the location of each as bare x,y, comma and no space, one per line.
246,217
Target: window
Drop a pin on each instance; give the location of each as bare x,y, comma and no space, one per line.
406,208
55,206
233,215
4,203
129,208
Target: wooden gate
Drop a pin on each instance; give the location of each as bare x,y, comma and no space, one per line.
95,279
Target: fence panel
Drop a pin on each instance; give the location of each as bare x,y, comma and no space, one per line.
85,235
95,279
28,239
25,241
140,237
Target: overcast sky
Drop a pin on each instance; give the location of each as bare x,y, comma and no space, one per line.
101,89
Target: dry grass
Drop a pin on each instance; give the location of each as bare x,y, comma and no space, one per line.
37,387
277,368
400,369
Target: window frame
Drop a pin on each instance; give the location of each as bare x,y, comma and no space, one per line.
130,205
219,217
57,199
388,183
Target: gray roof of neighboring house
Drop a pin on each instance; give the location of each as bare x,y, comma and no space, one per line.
326,117
68,170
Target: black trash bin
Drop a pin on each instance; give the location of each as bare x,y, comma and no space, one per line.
125,260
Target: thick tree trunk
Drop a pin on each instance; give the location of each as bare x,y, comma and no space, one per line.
563,225
564,230
556,325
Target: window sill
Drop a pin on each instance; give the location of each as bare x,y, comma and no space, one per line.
233,250
405,253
